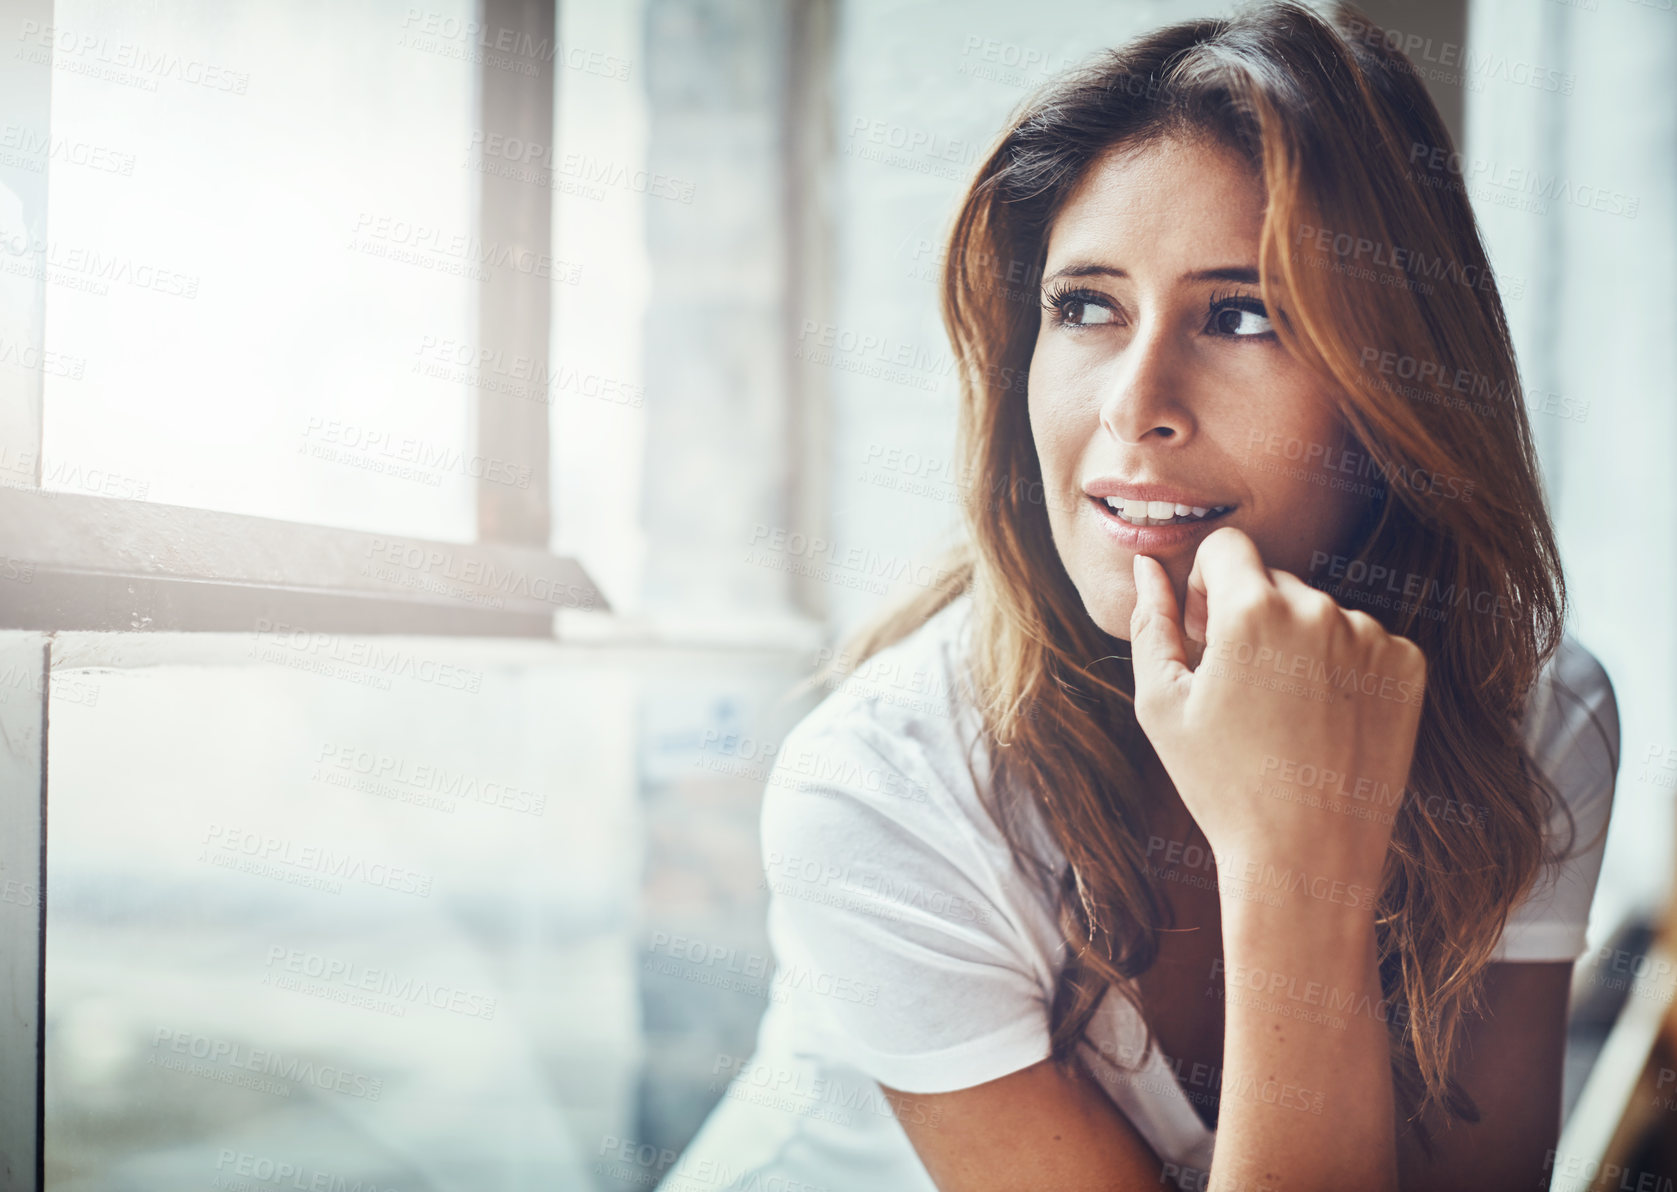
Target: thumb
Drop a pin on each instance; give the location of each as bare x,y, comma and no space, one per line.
1160,659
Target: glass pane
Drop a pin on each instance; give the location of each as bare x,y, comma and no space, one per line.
260,222
424,915
343,911
598,401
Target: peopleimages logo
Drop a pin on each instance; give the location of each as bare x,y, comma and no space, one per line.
92,54
425,778
1365,578
1303,666
358,660
223,1055
351,975
1395,257
284,1174
225,845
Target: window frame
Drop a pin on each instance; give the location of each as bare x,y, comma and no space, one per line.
105,564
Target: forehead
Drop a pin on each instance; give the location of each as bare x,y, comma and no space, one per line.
1171,203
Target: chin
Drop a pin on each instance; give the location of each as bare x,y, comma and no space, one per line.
1112,609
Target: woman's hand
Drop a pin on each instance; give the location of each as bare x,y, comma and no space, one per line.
1290,741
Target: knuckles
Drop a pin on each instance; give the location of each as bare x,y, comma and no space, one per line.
1409,656
1252,609
1365,626
1317,611
1310,621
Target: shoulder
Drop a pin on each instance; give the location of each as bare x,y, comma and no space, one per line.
918,685
880,790
896,740
1571,726
884,869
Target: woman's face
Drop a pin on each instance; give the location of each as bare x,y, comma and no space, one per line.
1156,377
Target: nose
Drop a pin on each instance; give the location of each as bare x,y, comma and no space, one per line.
1145,398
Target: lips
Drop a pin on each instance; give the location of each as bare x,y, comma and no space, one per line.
1125,491
1139,514
1162,513
1147,518
1145,504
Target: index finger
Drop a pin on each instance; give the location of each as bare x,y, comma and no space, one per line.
1227,571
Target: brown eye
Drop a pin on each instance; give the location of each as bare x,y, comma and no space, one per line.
1076,310
1243,318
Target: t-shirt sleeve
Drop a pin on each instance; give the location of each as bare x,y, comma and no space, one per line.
1572,731
888,915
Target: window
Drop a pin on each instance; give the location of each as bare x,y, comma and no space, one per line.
324,405
261,229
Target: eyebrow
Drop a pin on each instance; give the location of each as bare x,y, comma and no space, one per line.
1245,273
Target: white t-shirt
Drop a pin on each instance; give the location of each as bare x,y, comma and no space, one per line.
911,951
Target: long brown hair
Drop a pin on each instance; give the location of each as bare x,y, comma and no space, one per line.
1343,136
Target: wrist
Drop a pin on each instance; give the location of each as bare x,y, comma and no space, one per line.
1299,924
1256,884
1302,971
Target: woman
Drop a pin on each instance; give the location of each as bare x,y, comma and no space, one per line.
1241,786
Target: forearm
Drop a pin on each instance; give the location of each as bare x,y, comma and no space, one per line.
1303,1022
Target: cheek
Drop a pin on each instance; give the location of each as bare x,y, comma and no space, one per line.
1297,457
1037,388
1055,421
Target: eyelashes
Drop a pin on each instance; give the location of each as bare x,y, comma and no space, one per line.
1063,296
1065,301
1236,302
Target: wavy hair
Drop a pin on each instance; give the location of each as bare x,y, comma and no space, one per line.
1371,259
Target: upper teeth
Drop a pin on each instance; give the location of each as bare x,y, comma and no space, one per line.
1150,513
